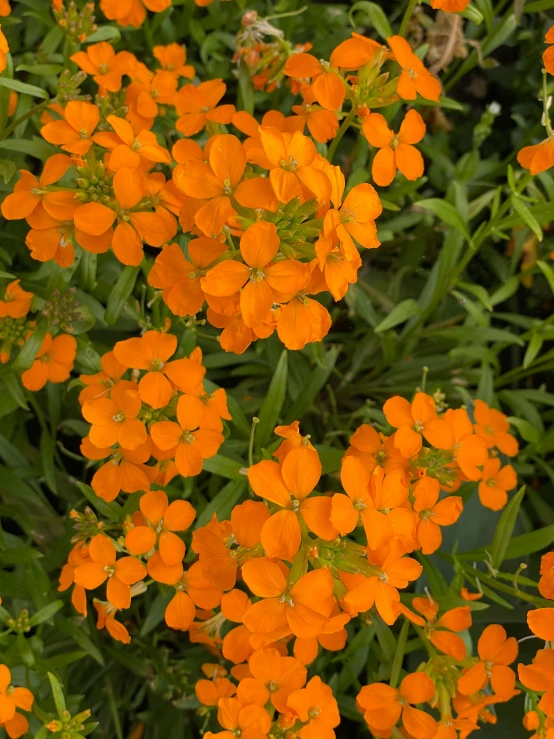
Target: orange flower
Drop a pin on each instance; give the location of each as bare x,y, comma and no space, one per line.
77,556
395,150
172,58
219,182
377,498
292,158
469,448
540,677
376,449
74,133
355,52
29,192
286,485
209,692
302,609
192,444
414,420
261,278
434,513
548,54
53,363
128,150
131,12
125,471
316,707
106,67
546,582
439,632
275,677
248,721
161,521
414,78
100,383
496,652
393,571
4,49
327,86
495,484
450,6
150,352
120,574
197,106
5,8
541,623
384,705
17,302
11,699
538,157
492,426
106,619
180,278
114,419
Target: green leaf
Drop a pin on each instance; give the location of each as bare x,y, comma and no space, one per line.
19,555
447,213
47,448
273,403
399,654
104,33
23,88
122,290
223,503
224,466
25,652
316,380
245,90
7,170
399,314
526,430
42,70
46,613
27,355
156,611
547,271
375,15
526,216
57,693
30,147
504,529
519,546
77,633
12,383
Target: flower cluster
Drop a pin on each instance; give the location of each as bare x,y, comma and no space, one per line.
295,565
270,221
131,418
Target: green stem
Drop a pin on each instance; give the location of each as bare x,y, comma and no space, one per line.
11,128
546,114
406,17
340,133
255,422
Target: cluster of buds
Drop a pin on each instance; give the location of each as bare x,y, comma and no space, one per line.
77,23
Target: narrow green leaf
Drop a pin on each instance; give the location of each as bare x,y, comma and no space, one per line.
399,654
273,403
18,555
45,613
12,383
399,314
47,448
25,652
110,510
104,33
57,693
224,466
315,381
23,88
547,271
504,529
446,213
526,216
42,70
27,355
118,297
374,14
